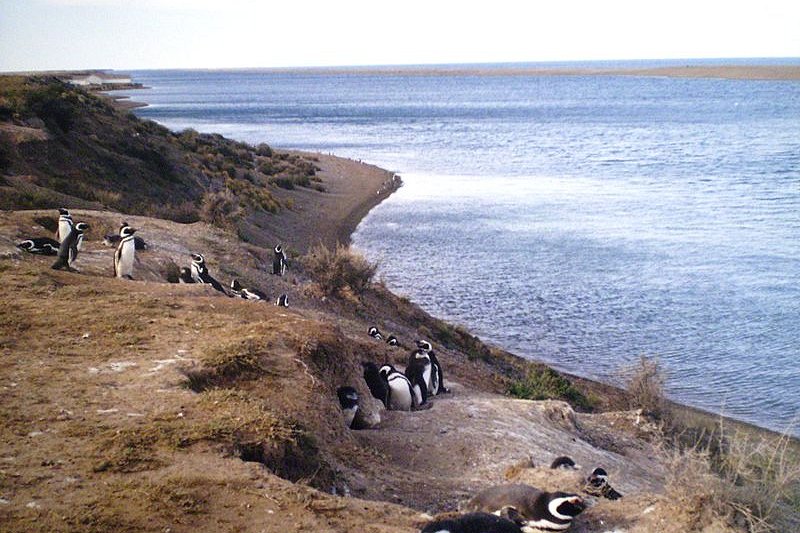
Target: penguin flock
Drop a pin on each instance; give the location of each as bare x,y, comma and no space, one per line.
69,240
520,508
412,389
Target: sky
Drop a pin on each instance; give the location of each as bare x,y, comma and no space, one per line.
145,34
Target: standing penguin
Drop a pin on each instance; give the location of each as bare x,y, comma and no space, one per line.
378,386
437,374
68,251
401,396
64,224
200,273
125,254
418,371
279,262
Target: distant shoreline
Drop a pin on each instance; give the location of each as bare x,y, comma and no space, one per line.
733,72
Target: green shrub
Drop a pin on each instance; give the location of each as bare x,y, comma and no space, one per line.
544,383
220,209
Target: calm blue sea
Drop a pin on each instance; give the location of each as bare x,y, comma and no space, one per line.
579,220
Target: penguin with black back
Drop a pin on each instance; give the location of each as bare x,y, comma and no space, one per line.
348,400
375,333
279,261
282,301
247,294
68,250
419,371
597,485
507,520
402,396
40,246
551,511
376,383
201,275
185,275
113,240
564,462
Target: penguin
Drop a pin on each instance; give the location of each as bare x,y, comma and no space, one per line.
509,521
64,224
391,340
113,240
40,245
437,374
348,400
401,396
125,254
282,301
375,334
418,371
185,276
200,273
247,294
68,250
564,462
597,485
551,511
279,262
378,386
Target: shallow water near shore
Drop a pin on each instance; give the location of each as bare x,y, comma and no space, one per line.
575,219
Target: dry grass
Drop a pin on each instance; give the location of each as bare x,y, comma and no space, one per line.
340,271
752,482
644,383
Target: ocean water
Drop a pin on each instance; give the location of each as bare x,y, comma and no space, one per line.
579,220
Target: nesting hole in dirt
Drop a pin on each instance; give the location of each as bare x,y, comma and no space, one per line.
296,460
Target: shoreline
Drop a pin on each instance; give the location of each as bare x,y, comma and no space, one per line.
354,189
708,421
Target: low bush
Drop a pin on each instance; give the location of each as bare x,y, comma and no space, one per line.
340,270
644,381
544,383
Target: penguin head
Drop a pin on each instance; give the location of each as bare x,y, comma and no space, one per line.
598,477
235,285
565,506
198,258
348,397
122,227
278,249
392,340
126,231
386,370
564,462
424,345
283,301
63,211
81,227
25,245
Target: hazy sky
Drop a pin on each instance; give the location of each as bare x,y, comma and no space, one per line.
129,34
